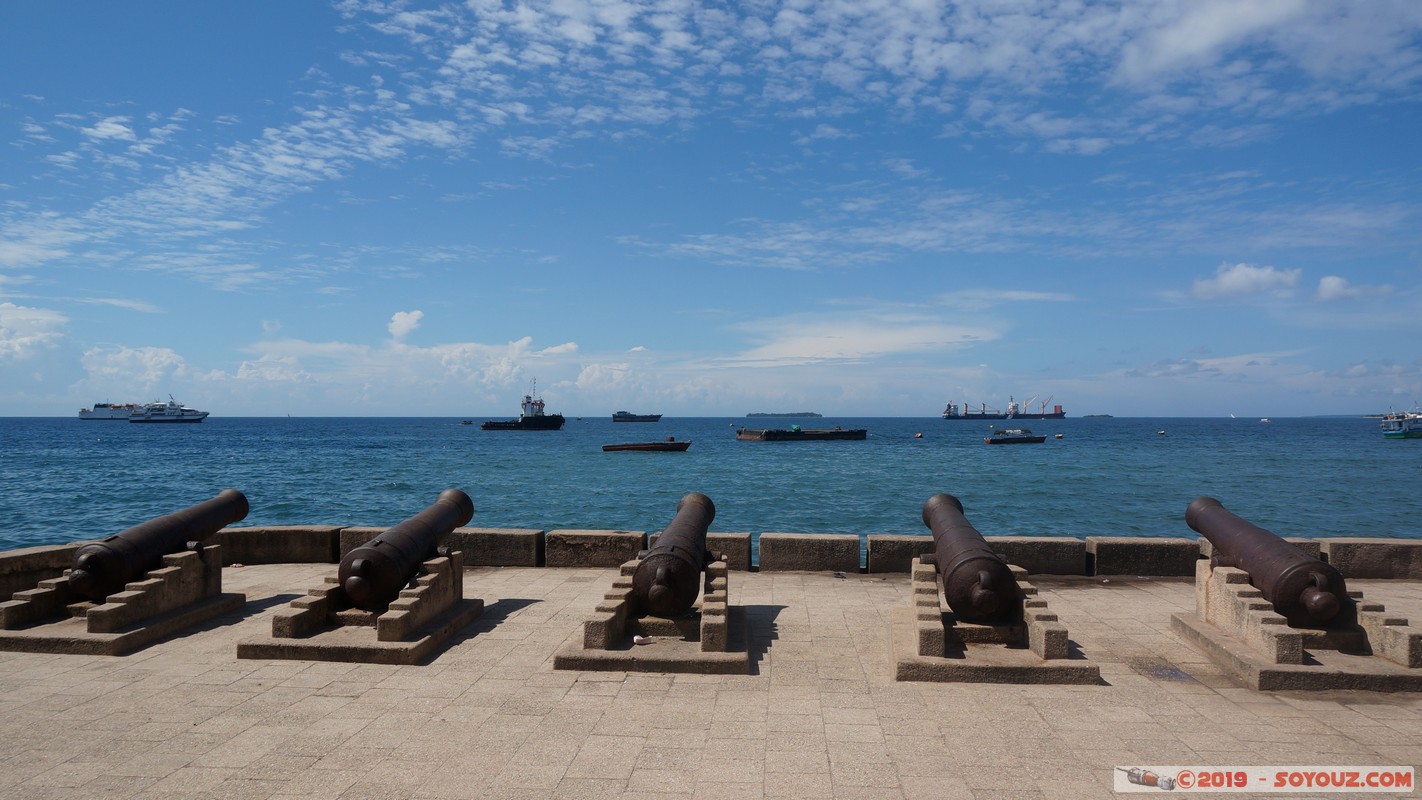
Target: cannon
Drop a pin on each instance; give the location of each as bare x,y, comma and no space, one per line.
373,574
1305,590
104,567
977,583
668,580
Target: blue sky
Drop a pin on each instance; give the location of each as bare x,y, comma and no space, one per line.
858,208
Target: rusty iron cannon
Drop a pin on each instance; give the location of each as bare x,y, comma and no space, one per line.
373,574
977,582
1305,590
668,580
104,567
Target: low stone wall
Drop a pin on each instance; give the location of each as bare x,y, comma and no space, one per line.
279,544
1375,558
1113,555
499,547
809,552
580,548
23,569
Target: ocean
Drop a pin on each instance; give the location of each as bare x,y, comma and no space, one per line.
63,479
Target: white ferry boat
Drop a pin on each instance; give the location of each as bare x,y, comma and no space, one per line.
108,411
171,411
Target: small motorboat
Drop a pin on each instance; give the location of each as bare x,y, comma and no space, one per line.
1014,436
669,445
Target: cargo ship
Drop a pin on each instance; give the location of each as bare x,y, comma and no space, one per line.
628,416
1014,411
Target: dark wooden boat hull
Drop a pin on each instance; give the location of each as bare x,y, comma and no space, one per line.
648,447
803,435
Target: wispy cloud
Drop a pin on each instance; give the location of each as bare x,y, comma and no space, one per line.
978,299
811,339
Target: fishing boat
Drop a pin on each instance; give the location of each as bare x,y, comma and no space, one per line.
1401,425
628,416
797,434
171,411
533,417
1014,436
669,445
108,411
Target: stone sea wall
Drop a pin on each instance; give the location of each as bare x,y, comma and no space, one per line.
502,547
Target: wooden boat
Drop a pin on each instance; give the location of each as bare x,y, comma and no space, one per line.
671,445
797,434
1014,436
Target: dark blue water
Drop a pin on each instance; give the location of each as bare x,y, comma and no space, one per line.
63,479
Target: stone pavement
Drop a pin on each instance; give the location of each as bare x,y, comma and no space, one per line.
821,717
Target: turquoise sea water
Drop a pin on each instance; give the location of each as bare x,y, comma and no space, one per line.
63,479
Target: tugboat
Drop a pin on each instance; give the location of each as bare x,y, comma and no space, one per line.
532,418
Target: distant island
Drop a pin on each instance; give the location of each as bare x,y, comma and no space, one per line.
784,414
1097,416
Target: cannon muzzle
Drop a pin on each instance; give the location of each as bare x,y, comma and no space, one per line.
104,567
373,574
1305,590
668,580
977,583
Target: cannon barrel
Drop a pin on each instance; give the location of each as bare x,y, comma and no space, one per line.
668,580
373,574
977,583
1305,590
104,567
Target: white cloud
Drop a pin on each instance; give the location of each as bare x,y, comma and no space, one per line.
24,331
133,366
1241,280
403,322
1198,32
1332,287
111,128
